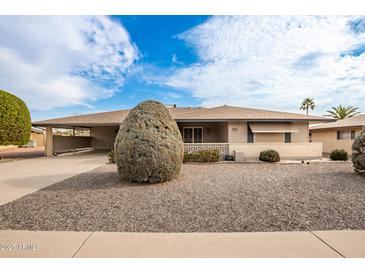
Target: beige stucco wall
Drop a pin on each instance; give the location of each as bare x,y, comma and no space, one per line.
103,137
237,132
40,138
7,147
328,137
302,135
287,151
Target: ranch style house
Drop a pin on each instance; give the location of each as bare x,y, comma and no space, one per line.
243,132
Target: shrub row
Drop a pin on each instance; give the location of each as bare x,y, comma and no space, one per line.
202,156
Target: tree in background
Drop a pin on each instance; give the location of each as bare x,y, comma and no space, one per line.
308,103
341,112
15,122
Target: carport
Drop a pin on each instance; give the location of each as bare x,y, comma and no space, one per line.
93,131
98,138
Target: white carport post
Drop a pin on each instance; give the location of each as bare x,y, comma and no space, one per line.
49,142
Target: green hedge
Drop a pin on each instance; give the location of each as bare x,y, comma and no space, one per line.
202,156
269,156
15,122
339,155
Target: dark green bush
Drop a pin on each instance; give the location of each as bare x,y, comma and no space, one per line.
269,156
358,153
339,155
111,156
15,123
202,156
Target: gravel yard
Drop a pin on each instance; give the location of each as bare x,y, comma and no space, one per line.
205,198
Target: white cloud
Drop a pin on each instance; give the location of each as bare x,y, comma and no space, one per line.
274,62
55,61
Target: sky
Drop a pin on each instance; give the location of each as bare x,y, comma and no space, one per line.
69,65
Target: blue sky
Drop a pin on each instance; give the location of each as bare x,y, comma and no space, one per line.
70,65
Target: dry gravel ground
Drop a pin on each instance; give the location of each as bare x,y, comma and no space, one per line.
205,198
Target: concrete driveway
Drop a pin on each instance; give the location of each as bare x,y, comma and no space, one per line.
19,178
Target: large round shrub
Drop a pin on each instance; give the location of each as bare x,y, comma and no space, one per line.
15,123
149,147
269,156
358,153
339,155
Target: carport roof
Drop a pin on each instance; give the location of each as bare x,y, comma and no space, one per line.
181,114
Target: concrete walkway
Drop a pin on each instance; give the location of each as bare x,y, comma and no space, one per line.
316,244
19,178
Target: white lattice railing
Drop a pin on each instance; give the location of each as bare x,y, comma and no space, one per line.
223,148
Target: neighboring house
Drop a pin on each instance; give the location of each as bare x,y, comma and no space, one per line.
228,129
339,134
37,137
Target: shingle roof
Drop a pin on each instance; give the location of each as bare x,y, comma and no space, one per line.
183,114
239,113
356,121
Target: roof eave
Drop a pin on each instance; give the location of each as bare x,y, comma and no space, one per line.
255,119
74,124
337,126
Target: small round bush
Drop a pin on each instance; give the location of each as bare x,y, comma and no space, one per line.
358,153
269,156
339,155
15,123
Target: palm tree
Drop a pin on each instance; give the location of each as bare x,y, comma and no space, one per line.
341,112
308,103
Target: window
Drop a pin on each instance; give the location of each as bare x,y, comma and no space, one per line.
250,136
352,134
193,134
287,136
346,135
